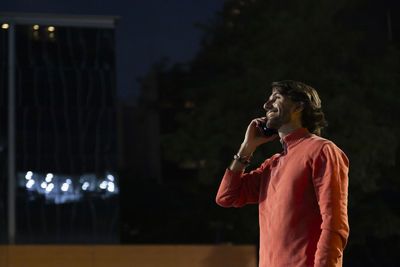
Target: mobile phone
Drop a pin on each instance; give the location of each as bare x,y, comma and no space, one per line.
267,131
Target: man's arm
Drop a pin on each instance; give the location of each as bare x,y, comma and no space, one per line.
237,188
245,152
330,178
252,139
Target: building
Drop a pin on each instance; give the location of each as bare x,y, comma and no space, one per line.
58,134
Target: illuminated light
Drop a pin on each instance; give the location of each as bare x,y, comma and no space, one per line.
189,104
110,187
110,177
36,27
28,175
5,26
103,185
30,183
49,187
49,177
68,181
65,187
85,186
235,11
51,28
43,185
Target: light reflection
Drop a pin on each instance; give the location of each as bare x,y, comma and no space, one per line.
49,187
110,177
28,175
49,177
60,188
30,183
103,185
110,187
85,186
65,187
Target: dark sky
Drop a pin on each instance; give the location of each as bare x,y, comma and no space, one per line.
148,30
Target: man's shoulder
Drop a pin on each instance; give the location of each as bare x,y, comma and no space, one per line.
318,144
317,141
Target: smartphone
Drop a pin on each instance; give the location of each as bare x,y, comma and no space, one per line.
267,131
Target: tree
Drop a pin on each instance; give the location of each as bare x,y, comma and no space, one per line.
338,47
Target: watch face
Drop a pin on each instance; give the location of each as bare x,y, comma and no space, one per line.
241,160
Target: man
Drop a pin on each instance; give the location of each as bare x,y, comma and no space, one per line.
301,192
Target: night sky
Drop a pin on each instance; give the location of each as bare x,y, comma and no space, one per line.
147,31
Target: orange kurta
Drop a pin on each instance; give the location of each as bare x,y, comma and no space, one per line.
302,198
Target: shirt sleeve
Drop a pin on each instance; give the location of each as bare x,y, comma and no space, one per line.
238,188
330,178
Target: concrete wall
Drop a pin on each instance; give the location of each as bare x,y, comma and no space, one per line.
128,256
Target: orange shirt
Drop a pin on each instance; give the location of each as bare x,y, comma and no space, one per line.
302,198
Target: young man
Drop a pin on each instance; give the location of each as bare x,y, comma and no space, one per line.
301,192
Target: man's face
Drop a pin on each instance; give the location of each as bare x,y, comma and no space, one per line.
279,109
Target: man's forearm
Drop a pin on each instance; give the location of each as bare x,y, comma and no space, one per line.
245,151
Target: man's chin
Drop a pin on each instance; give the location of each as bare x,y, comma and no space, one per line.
272,125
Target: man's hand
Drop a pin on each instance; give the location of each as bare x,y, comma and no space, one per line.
253,138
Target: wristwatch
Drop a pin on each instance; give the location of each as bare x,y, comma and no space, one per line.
242,160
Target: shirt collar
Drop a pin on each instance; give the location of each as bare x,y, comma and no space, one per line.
292,138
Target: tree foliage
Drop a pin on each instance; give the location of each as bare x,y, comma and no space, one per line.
340,48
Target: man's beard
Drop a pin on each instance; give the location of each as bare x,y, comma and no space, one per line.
276,122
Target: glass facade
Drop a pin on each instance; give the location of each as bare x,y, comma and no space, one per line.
67,185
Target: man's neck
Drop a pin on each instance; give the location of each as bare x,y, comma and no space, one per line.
288,129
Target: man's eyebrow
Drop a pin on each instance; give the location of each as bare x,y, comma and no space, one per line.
274,94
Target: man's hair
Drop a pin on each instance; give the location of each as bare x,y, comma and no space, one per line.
312,116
